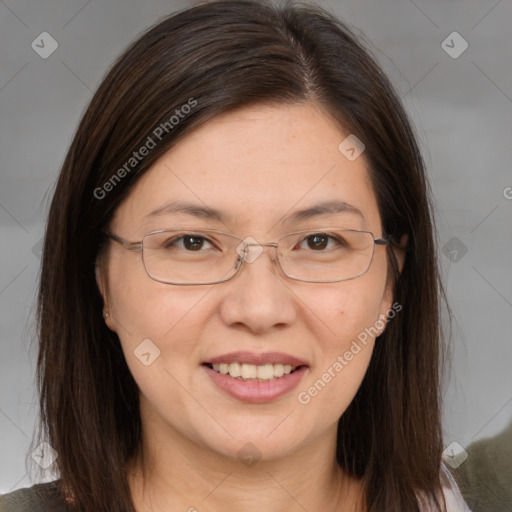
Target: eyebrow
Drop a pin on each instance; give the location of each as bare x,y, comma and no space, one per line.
204,212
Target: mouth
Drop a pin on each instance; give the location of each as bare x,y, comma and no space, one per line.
253,373
255,378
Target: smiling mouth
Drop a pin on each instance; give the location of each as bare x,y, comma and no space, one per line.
253,373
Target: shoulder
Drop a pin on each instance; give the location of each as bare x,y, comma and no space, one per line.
452,495
485,476
454,500
43,497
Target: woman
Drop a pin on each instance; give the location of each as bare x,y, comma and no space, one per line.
239,298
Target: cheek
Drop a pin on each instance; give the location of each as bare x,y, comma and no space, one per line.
156,319
143,307
158,331
338,383
342,361
347,352
348,310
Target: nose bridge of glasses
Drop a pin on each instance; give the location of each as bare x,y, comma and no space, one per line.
271,244
250,256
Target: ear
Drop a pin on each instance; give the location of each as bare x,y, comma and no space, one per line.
399,253
102,282
388,309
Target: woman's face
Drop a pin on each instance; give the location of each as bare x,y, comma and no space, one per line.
257,166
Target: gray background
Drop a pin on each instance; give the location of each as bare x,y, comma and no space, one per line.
462,110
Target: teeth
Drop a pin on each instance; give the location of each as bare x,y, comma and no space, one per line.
265,372
243,371
235,369
249,371
278,370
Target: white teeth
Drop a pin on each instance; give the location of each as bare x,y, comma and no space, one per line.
266,371
249,371
243,371
278,370
235,369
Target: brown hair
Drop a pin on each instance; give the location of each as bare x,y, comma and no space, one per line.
223,55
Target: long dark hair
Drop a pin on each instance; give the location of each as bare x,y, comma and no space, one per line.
216,57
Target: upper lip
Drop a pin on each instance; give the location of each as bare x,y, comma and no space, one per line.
257,359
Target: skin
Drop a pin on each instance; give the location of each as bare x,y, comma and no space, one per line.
241,163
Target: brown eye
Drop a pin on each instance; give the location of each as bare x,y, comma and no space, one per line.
193,242
188,242
317,241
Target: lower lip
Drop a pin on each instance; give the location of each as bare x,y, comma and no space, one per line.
256,392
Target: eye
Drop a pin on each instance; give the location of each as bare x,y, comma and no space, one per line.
189,242
320,241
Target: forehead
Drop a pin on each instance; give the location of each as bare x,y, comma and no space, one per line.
256,166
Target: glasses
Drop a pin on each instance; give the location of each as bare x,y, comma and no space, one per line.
207,256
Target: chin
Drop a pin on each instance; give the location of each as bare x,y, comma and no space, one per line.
262,443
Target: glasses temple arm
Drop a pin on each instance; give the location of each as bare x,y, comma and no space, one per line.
131,246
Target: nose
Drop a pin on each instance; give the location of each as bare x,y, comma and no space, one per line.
258,297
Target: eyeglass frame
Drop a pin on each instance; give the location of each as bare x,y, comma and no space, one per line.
385,240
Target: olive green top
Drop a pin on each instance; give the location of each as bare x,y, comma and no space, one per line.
38,498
